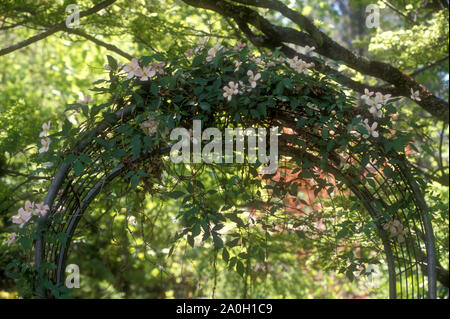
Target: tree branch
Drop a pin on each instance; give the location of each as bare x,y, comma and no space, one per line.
402,83
56,28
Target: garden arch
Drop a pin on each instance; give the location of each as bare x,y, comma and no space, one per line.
388,197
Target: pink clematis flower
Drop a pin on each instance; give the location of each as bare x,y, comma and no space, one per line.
146,73
415,95
45,145
87,99
41,209
253,78
21,218
132,68
45,129
11,239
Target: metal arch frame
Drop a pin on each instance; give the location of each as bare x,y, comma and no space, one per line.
60,255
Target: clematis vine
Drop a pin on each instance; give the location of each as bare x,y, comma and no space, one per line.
415,95
213,51
395,230
45,129
367,94
40,209
132,68
22,217
146,73
237,65
150,126
309,49
158,67
230,90
45,143
11,239
299,65
86,100
371,129
252,78
239,46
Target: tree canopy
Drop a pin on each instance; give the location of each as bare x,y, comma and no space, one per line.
358,89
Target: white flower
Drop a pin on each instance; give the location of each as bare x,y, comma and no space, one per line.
41,209
45,129
86,100
132,68
415,95
21,218
213,51
371,129
239,46
146,73
367,94
309,49
253,78
11,239
237,64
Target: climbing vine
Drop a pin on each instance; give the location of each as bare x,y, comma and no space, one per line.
336,145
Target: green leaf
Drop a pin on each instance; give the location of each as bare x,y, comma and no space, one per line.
225,255
112,62
240,268
218,242
176,194
78,168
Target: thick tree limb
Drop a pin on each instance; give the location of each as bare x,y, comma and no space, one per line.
312,36
56,28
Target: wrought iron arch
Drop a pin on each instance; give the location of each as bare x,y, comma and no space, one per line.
412,271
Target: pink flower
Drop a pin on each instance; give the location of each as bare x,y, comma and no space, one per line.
158,67
253,78
237,64
230,90
21,218
213,51
86,100
45,129
41,209
132,68
189,53
371,129
45,145
309,49
12,239
239,46
415,95
146,73
367,94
